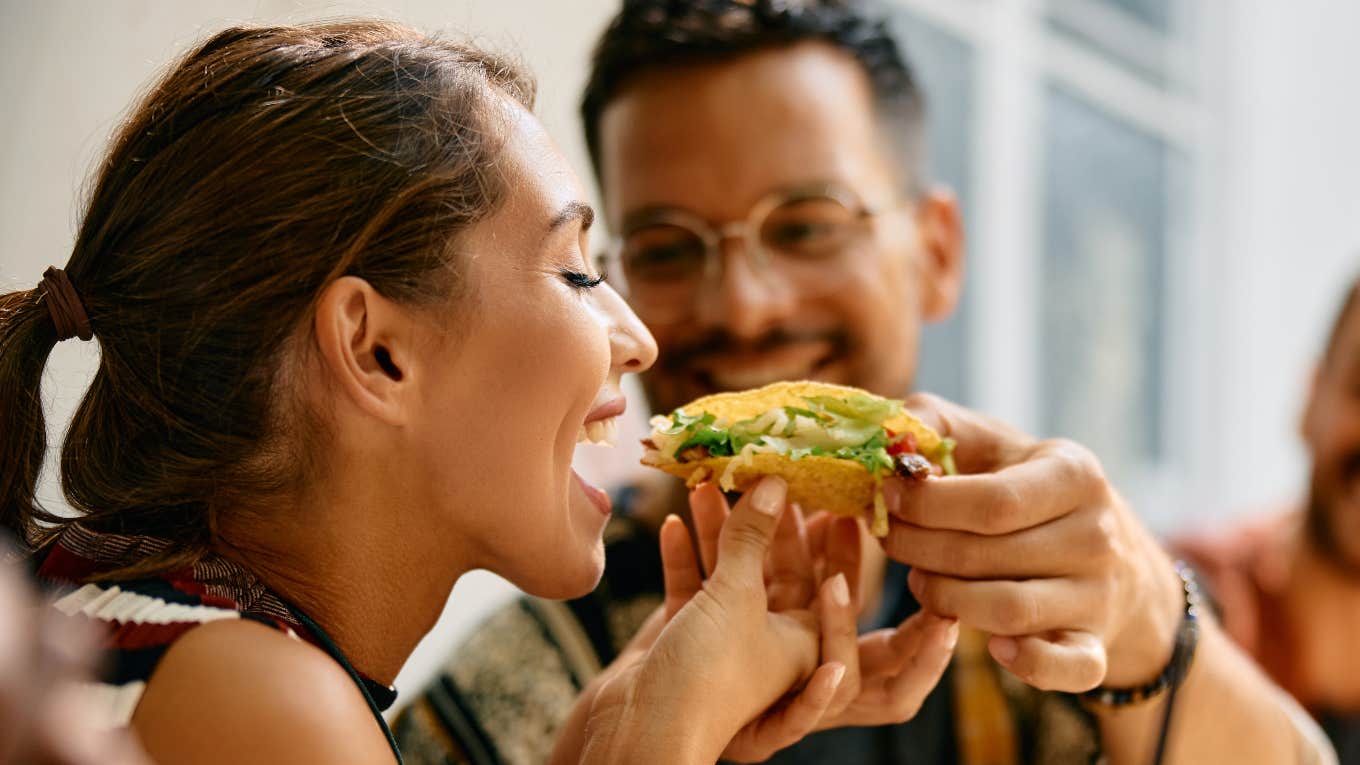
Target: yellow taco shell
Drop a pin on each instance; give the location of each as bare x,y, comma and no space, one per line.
839,486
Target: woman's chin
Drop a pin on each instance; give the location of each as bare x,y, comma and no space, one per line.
566,579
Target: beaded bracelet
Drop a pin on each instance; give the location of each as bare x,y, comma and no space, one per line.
1187,637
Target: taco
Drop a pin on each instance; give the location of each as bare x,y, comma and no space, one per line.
833,444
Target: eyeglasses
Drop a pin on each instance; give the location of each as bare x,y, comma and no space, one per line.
667,256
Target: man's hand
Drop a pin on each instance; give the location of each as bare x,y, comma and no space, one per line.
1032,544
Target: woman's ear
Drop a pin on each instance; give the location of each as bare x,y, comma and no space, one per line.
941,229
365,342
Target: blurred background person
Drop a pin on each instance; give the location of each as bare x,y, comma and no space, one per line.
1287,583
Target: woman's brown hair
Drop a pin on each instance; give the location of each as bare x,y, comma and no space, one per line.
267,163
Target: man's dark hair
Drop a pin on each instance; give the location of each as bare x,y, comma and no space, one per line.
653,34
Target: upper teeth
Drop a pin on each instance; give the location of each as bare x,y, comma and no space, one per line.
603,432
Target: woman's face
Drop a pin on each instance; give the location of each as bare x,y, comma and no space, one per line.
535,367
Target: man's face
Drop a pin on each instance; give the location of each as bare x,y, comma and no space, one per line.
713,142
1331,429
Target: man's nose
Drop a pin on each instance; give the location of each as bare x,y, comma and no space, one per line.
750,297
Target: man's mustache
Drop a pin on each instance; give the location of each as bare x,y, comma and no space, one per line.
722,343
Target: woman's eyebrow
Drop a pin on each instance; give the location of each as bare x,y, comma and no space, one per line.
575,210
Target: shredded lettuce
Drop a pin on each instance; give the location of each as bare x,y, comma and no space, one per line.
945,456
847,428
857,407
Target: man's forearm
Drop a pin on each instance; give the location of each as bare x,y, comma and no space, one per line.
1226,710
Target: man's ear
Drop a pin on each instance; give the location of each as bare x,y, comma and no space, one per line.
941,229
365,347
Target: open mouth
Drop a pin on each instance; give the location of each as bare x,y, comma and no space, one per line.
600,432
601,426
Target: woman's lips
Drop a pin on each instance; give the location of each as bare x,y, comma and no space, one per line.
611,408
597,496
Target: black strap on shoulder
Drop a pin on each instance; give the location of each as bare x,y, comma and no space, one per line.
333,650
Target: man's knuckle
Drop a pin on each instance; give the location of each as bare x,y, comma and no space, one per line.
1004,505
1102,539
922,400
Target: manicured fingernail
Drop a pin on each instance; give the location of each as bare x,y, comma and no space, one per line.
840,590
951,636
768,497
837,675
1005,649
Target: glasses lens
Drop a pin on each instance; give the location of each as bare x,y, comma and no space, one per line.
662,253
808,228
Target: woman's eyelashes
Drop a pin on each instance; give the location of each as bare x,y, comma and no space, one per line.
583,281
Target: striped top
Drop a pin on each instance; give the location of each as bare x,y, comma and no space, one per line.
141,619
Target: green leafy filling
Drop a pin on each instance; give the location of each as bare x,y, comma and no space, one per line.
858,418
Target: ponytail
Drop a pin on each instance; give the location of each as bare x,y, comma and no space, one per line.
27,336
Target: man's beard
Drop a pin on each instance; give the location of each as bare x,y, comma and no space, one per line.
679,361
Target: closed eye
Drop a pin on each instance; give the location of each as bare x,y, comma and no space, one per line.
583,281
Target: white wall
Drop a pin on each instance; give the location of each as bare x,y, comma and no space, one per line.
1287,197
1291,233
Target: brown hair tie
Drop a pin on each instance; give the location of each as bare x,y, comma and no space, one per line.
68,314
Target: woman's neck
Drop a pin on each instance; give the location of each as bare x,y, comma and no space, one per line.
356,561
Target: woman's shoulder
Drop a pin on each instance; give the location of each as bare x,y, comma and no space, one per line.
235,690
205,663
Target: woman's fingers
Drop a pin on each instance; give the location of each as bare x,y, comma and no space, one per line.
817,525
933,645
679,567
708,508
746,536
843,552
783,727
790,583
1071,661
840,637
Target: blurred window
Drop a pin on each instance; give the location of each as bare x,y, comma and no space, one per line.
1069,130
944,65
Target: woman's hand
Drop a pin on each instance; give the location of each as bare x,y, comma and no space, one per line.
721,660
875,679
